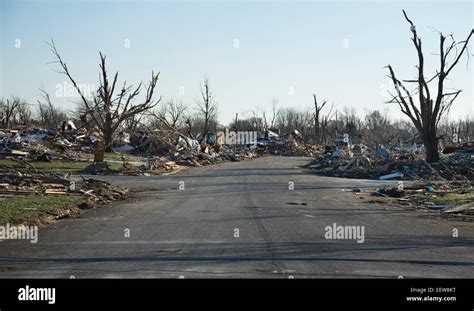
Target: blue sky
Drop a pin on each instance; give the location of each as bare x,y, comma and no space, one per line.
282,46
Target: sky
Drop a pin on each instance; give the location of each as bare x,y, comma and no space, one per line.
251,51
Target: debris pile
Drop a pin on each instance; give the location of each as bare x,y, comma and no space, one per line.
45,145
292,150
155,152
31,181
173,163
384,164
170,151
445,197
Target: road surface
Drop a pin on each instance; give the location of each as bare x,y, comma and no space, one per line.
242,220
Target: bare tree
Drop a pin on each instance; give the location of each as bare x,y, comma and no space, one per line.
378,129
49,116
427,114
274,112
265,121
8,110
290,119
24,114
458,131
324,124
169,119
166,126
256,121
207,108
317,121
108,110
352,124
134,123
241,124
174,112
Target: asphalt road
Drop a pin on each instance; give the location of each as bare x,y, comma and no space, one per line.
191,233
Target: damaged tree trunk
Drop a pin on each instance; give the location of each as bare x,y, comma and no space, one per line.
431,148
426,115
317,124
108,138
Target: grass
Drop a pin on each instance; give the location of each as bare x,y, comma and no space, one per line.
113,156
454,199
30,208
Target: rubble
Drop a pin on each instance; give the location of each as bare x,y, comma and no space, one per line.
467,208
158,151
31,181
390,192
445,187
446,198
396,164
